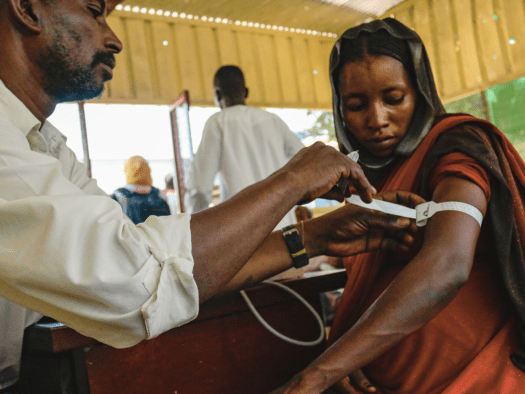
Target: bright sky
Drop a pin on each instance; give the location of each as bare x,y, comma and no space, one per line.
116,132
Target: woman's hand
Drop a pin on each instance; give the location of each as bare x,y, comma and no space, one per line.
355,383
317,168
351,230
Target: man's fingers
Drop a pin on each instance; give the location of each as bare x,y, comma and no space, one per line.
302,213
389,232
334,194
363,187
380,220
402,197
394,241
320,167
393,245
405,198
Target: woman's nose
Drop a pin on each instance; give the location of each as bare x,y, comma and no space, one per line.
377,116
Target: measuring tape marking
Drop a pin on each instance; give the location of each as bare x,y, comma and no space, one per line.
422,213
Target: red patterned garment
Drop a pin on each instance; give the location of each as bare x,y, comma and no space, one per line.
467,347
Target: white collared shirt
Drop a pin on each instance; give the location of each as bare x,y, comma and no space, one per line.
244,145
67,250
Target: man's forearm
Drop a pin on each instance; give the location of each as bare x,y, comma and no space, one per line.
271,258
226,236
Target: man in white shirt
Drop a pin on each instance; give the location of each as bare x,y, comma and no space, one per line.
243,144
66,248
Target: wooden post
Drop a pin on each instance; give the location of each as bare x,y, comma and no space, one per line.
183,100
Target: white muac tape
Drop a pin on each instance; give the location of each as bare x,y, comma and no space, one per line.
422,213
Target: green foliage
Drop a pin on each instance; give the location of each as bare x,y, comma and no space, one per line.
323,125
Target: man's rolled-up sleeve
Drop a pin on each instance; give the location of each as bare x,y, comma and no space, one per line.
78,259
69,252
174,300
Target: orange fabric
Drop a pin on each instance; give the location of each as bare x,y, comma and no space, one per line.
474,331
492,371
462,166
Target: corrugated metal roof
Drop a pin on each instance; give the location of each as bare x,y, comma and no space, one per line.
333,16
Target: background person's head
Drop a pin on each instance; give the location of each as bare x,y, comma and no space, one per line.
229,87
168,180
137,171
384,96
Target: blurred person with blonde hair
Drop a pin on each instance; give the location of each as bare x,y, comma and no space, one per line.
139,199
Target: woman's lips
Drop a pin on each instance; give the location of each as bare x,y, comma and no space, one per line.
381,141
381,146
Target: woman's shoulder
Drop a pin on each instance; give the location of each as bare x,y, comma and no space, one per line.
465,146
461,121
464,132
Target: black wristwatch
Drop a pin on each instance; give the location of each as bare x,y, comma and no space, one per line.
295,246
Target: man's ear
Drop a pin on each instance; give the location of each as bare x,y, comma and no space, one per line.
246,92
26,12
218,95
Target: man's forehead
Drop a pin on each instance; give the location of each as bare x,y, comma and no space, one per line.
58,3
111,4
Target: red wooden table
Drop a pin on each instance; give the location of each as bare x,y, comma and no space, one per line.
225,350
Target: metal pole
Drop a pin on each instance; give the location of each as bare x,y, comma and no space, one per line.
83,129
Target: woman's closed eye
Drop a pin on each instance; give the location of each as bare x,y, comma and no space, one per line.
355,104
393,100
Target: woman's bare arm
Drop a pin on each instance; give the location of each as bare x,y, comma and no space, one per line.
424,288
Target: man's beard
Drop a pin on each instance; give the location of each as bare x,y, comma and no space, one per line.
65,80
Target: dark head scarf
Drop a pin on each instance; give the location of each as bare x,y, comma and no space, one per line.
403,44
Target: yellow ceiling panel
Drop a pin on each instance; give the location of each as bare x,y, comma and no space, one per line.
318,15
174,45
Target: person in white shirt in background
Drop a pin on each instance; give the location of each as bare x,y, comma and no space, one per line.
69,252
243,144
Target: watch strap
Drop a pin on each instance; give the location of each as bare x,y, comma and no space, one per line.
295,246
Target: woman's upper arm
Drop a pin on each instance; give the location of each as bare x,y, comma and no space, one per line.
451,234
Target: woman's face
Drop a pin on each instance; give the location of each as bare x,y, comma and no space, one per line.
378,102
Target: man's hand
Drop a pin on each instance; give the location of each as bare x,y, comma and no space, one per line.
351,230
318,167
225,237
302,213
